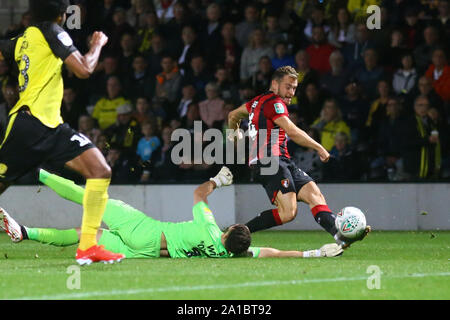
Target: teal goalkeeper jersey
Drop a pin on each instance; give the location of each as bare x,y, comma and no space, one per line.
200,237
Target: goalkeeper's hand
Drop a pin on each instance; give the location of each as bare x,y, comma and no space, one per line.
223,178
331,250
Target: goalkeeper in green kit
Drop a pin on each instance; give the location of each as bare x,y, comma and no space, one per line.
137,235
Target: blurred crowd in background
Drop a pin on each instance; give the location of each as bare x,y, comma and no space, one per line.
378,100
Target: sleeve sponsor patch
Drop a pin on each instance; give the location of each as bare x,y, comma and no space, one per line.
65,39
279,108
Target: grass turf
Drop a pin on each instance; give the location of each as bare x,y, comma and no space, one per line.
414,265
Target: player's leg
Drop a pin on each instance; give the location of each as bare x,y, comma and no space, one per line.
280,189
65,188
92,165
311,195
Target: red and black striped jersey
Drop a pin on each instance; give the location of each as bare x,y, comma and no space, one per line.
266,138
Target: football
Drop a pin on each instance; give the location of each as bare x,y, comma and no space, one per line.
350,222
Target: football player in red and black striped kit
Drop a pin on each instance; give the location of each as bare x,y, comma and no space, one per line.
269,126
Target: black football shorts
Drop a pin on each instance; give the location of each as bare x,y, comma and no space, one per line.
289,178
28,143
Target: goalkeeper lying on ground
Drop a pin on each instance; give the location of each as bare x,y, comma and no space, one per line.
136,235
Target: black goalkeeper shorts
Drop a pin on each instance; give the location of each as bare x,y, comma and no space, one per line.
28,143
288,178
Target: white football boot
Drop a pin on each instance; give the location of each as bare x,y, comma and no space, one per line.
11,227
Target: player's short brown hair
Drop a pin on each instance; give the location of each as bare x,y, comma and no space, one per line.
238,240
284,71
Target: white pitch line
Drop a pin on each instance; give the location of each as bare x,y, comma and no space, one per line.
82,295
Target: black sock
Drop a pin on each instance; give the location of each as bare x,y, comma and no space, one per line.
24,232
323,216
265,220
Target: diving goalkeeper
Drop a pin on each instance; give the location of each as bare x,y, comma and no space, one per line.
136,235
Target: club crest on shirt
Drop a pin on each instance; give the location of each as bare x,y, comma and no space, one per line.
285,183
279,108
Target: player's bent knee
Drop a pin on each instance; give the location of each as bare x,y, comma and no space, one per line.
287,215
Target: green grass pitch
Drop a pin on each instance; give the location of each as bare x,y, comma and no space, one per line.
413,265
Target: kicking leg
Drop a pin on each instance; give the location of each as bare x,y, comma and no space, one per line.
65,188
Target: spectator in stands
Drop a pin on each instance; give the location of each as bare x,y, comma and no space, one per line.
274,34
125,132
256,49
105,108
211,35
107,68
310,106
391,57
370,73
102,144
86,126
190,46
227,88
157,52
192,115
334,82
211,109
307,159
142,113
149,142
127,52
353,52
405,78
377,111
124,169
168,82
172,28
422,148
119,27
263,76
342,31
306,75
245,28
146,32
344,163
358,8
71,107
316,19
390,143
439,73
139,81
422,53
14,30
441,129
319,51
137,13
411,27
228,53
188,96
163,166
425,88
199,75
330,123
10,94
282,57
443,18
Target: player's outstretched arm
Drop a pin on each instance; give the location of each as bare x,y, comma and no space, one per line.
327,250
223,178
84,66
301,138
235,117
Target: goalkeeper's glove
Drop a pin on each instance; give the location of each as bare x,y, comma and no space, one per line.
327,250
223,178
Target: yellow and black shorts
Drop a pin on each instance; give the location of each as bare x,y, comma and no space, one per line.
28,144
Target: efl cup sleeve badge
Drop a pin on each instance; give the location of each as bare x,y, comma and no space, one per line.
285,183
279,108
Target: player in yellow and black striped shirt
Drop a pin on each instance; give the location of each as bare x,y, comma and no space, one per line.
35,133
